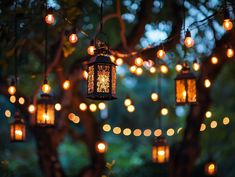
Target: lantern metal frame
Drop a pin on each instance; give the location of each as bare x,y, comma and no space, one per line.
18,124
185,75
101,68
160,142
45,100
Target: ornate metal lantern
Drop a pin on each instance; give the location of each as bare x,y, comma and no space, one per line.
210,168
101,82
45,111
160,150
185,87
17,129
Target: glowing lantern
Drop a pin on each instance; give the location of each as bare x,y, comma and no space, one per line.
210,168
49,18
45,111
101,82
101,147
188,41
185,87
160,150
227,24
17,129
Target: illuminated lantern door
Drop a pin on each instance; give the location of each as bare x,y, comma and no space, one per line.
210,168
160,151
101,82
185,87
17,129
45,111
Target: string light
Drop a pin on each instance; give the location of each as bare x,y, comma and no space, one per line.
154,96
112,58
137,132
207,83
93,107
102,106
203,127
213,124
196,65
117,130
83,106
8,113
12,89
227,24
139,71
161,53
49,18
131,108
58,106
164,69
208,114
127,101
91,50
66,84
85,74
214,60
133,69
178,67
106,127
31,109
230,52
170,132
73,38
147,132
226,120
139,61
101,147
153,70
164,111
46,88
188,41
158,132
119,61
12,99
127,132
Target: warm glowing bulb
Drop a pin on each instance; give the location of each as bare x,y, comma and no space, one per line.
66,84
214,60
139,61
127,102
106,127
12,99
83,106
112,58
49,19
164,111
154,97
101,147
46,88
226,120
11,90
8,113
73,38
213,124
91,50
93,107
189,42
208,114
102,106
130,108
161,54
207,83
196,66
133,69
227,24
21,100
31,109
170,132
178,67
85,74
230,52
139,71
164,69
58,107
153,70
119,61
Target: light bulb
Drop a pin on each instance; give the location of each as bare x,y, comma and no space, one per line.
127,101
139,61
133,69
93,107
230,52
131,108
49,19
189,42
119,61
214,60
196,66
91,50
178,67
83,107
46,88
139,71
154,97
161,54
207,83
164,69
66,84
12,90
101,105
31,109
73,38
58,106
227,24
153,70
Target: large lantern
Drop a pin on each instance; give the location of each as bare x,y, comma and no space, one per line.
101,82
185,87
17,129
210,168
45,111
160,150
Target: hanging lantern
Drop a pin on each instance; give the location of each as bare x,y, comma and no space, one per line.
101,82
17,129
185,86
160,150
188,41
45,111
73,37
50,18
210,168
101,147
227,24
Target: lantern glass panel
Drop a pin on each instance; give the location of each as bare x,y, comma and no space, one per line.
45,114
181,92
17,131
90,79
192,92
161,154
103,78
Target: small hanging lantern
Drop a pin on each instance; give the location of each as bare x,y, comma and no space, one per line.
160,150
101,147
17,129
101,82
227,23
45,111
49,18
210,168
185,86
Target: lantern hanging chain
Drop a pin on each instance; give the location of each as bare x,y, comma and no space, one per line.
46,46
15,43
